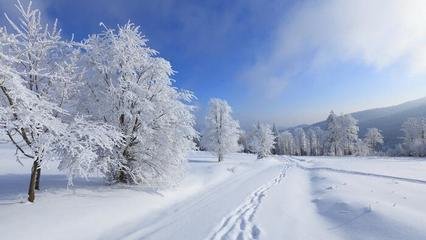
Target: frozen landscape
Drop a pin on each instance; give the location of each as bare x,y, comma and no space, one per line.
279,197
212,120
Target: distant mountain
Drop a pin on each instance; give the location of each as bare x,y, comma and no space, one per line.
388,119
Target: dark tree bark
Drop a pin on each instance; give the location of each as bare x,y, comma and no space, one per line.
31,188
37,183
122,176
220,158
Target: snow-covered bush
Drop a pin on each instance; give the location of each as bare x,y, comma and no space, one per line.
221,130
130,88
261,140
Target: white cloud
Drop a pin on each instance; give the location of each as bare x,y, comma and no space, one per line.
377,33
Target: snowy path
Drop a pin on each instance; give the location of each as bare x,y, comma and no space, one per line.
196,217
239,224
288,211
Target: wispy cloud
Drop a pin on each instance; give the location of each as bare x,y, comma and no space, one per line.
381,34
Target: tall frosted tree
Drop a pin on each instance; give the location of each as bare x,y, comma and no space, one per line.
414,140
130,87
286,143
349,133
342,135
275,149
333,139
315,138
373,139
222,132
301,142
261,140
37,80
243,141
321,136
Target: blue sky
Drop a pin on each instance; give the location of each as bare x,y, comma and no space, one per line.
288,62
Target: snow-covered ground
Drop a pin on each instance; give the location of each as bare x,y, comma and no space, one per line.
240,198
368,198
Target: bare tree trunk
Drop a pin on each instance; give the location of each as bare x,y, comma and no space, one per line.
220,157
122,175
121,178
37,183
31,188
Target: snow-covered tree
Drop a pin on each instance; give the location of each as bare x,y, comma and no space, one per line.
333,139
373,138
315,138
414,140
301,142
130,88
322,136
349,131
221,130
286,143
342,135
275,149
261,140
243,141
361,148
37,78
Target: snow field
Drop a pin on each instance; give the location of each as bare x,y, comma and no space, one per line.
240,198
362,203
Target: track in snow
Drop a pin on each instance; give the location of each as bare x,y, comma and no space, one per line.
239,224
410,180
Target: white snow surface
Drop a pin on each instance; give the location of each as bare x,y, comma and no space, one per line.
241,198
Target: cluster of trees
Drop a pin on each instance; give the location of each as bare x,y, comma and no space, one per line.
222,133
106,103
339,138
261,140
